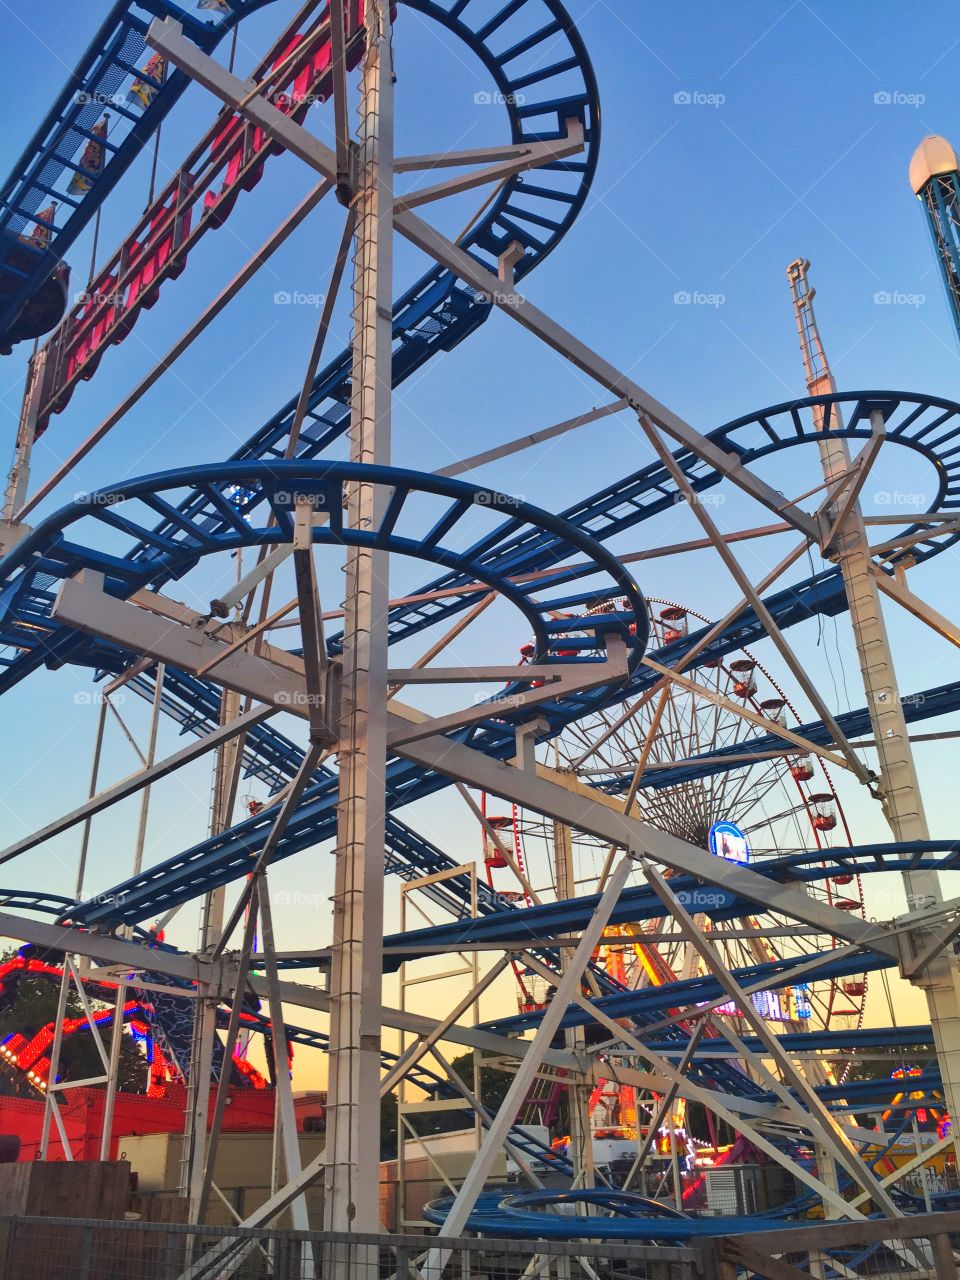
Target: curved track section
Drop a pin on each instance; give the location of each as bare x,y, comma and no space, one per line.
925,424
427,507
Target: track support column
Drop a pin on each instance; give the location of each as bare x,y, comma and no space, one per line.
899,785
351,1183
578,1094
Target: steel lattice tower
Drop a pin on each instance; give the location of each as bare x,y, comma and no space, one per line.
935,178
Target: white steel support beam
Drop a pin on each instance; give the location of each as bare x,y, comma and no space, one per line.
230,1043
726,1106
194,1162
137,781
223,977
11,527
511,153
341,103
528,441
167,37
486,1119
795,666
563,680
557,796
313,642
574,1038
905,540
425,1044
818,1116
802,744
498,842
687,658
495,1136
287,1114
288,808
849,495
223,604
273,677
116,1041
916,606
279,678
351,1178
666,1105
538,153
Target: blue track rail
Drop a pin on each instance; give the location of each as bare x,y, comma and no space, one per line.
222,858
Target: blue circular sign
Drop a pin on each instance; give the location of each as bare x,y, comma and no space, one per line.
728,841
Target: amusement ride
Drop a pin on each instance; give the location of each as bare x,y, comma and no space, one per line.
664,897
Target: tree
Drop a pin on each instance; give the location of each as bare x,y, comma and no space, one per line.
494,1083
493,1089
34,1006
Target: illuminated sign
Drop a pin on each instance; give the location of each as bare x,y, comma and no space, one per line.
801,1002
792,1004
728,841
766,1003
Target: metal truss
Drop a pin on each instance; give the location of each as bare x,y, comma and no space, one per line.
64,599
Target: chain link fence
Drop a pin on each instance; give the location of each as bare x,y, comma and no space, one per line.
70,1249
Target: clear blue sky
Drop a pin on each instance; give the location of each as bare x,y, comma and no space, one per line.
784,151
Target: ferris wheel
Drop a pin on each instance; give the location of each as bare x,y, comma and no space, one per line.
742,804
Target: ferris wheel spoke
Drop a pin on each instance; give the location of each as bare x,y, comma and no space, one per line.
752,792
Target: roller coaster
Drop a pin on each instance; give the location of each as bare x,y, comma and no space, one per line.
635,725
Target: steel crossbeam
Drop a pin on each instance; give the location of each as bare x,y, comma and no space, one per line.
167,39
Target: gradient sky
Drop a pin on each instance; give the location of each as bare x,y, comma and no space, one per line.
735,138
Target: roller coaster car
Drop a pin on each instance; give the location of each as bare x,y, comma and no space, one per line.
45,309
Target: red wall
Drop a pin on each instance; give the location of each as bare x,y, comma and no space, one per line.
249,1111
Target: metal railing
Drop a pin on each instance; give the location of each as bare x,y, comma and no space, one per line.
73,1249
